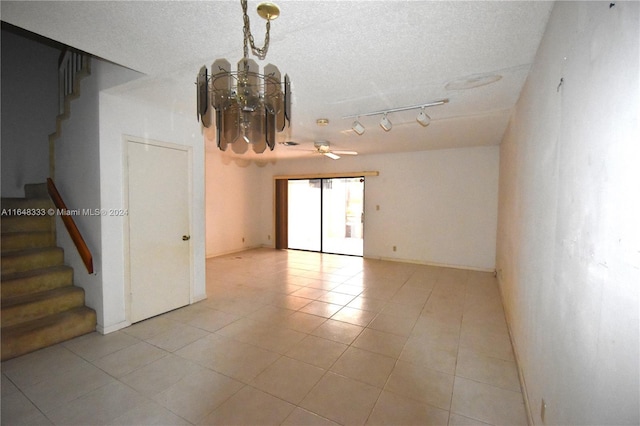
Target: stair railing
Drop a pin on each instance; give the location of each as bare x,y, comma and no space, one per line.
70,224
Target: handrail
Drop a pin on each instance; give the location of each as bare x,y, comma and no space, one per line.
69,223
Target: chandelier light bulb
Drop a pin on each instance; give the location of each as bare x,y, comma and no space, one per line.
246,127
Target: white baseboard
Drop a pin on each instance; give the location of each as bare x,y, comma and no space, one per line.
199,298
523,384
238,250
442,265
110,329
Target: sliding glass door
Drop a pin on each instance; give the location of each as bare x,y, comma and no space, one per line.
326,215
305,218
342,215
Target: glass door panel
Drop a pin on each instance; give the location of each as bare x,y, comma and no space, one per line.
304,212
342,215
326,215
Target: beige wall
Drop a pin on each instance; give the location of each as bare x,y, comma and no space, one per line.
233,204
568,253
437,207
123,114
90,173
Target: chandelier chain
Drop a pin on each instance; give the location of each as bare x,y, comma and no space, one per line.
259,52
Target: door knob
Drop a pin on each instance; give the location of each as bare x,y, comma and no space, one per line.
186,237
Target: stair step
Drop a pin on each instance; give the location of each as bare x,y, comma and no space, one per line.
26,223
30,336
35,281
40,305
25,204
31,259
28,307
18,241
36,190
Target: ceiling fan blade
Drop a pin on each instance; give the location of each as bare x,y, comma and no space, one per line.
345,152
331,155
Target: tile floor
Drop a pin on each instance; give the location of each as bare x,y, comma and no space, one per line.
291,338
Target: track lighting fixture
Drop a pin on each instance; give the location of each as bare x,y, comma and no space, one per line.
386,124
423,118
357,127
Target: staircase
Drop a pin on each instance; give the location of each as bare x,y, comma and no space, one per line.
40,306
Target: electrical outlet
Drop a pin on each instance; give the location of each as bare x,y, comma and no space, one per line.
377,207
268,237
543,410
394,248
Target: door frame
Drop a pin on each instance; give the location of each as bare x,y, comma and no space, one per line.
281,203
126,139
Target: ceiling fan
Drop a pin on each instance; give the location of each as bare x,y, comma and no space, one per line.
323,147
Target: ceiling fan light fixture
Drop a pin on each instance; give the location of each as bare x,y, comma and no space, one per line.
423,118
385,123
357,127
324,148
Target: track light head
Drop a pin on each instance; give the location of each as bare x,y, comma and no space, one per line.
423,118
357,127
385,123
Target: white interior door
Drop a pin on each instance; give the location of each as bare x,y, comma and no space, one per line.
159,227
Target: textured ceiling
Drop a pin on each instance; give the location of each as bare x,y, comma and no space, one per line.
344,58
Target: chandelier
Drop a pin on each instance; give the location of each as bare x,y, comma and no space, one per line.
250,107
